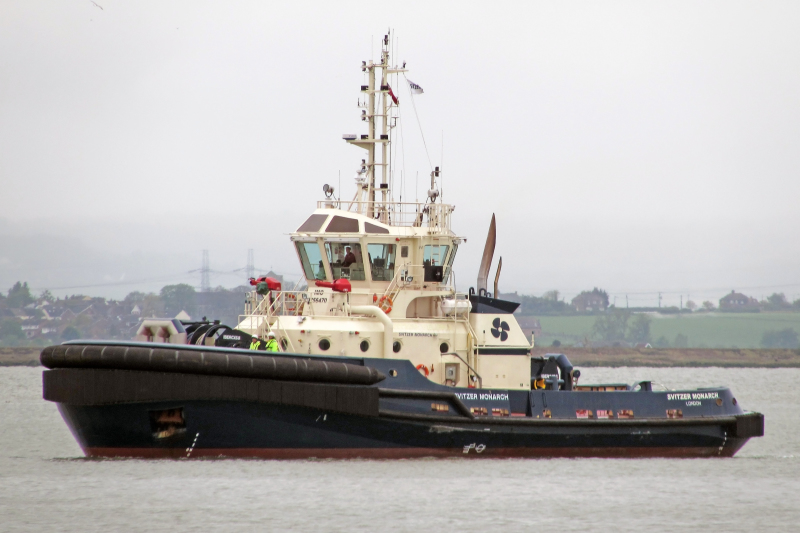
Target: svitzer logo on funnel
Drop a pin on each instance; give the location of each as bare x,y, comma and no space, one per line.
500,329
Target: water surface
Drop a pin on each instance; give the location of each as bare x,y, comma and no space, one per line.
45,484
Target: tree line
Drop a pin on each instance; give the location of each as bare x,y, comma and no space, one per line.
622,325
30,320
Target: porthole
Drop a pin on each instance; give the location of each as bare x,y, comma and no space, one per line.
396,346
324,344
364,345
444,347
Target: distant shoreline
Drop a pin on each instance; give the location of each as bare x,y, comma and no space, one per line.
677,357
19,356
586,357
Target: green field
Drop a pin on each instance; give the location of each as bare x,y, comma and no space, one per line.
704,330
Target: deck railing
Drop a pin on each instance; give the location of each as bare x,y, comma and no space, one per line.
296,303
406,214
283,303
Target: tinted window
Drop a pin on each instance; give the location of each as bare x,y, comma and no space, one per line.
435,255
381,261
342,225
311,259
313,224
433,262
450,260
372,228
346,260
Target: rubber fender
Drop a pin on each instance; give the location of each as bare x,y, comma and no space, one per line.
162,359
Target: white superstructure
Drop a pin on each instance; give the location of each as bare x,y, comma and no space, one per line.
398,260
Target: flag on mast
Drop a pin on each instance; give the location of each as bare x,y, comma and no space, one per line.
415,89
391,93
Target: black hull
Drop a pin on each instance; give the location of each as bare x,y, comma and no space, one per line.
222,403
243,429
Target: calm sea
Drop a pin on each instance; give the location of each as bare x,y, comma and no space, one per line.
46,485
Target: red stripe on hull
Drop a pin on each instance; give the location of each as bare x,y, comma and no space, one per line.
405,453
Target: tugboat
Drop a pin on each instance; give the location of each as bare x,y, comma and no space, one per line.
381,356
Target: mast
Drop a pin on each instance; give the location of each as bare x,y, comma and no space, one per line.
369,203
385,119
371,135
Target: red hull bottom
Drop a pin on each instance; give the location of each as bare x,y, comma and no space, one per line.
405,453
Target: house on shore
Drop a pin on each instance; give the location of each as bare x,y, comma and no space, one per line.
590,301
736,301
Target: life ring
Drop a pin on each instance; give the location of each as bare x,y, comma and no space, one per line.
424,369
386,304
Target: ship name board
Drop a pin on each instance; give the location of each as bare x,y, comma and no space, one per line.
693,396
408,334
491,396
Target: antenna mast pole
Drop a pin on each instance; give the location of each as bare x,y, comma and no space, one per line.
377,209
385,124
371,138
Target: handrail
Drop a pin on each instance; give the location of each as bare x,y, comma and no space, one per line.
474,334
480,379
279,303
394,287
388,328
284,335
406,214
271,310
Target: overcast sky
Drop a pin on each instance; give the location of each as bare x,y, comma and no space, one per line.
634,146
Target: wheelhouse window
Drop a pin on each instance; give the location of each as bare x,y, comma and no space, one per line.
372,228
435,255
346,260
381,261
449,266
342,225
311,258
313,224
433,262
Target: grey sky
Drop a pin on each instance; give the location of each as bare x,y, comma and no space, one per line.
635,146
